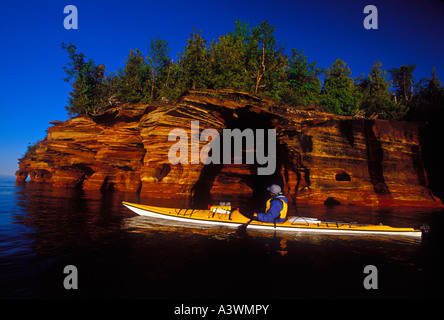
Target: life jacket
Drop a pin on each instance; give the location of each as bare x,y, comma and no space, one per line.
283,213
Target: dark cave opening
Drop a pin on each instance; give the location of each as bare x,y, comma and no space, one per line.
244,119
342,176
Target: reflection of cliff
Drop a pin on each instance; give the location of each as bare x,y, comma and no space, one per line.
319,156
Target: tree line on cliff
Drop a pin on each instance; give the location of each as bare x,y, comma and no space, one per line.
251,59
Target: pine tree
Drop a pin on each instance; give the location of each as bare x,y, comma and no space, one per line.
195,63
89,90
159,61
304,84
376,96
132,83
403,82
227,63
428,102
339,95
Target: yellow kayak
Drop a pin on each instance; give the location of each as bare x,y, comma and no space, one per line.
224,216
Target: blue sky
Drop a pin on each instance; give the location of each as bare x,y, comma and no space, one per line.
31,58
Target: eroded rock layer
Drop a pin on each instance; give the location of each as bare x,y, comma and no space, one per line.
320,158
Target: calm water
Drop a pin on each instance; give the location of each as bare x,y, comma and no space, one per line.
122,256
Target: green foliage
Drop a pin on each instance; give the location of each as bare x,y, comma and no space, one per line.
159,63
250,59
131,83
228,63
304,84
269,61
376,97
428,102
340,96
195,63
89,90
403,81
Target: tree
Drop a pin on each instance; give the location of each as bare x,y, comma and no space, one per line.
195,63
428,102
234,59
268,58
249,59
403,82
132,81
89,90
159,61
339,95
376,97
303,80
227,63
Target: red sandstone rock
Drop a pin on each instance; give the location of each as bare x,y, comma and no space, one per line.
320,156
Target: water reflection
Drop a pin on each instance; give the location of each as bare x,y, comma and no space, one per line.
276,242
121,254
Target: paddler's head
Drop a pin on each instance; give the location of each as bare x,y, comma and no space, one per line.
274,189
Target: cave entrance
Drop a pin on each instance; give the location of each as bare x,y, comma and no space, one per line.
342,176
208,187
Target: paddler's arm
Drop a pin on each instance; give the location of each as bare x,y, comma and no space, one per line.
272,214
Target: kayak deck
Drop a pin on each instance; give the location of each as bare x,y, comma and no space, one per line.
292,224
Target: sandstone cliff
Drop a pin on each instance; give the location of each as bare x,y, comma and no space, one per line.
321,158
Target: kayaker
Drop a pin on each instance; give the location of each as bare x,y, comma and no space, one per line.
276,207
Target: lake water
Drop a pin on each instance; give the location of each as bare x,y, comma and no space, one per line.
122,256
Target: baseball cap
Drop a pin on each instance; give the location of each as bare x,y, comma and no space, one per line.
274,188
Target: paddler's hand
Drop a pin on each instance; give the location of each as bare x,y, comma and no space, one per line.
255,215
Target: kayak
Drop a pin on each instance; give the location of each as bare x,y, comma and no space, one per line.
224,216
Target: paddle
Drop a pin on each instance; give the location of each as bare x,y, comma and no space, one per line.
243,227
